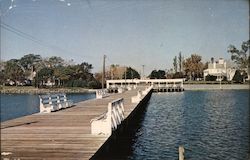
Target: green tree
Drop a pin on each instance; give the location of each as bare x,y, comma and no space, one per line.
131,74
55,61
180,62
13,71
29,60
175,64
160,74
240,57
44,74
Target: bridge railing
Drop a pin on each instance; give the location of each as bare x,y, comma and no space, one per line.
110,120
101,93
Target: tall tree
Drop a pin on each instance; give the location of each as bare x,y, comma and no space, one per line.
29,60
14,71
44,74
240,57
131,73
55,61
160,74
180,62
193,66
175,64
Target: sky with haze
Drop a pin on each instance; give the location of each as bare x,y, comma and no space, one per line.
129,32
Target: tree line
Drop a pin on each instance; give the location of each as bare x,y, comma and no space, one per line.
34,70
192,67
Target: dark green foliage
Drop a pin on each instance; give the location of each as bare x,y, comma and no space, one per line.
160,74
94,84
240,57
175,64
29,60
210,78
239,76
13,71
178,75
53,69
131,74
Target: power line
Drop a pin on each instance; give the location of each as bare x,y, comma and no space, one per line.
32,38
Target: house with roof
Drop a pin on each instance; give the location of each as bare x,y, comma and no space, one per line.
220,69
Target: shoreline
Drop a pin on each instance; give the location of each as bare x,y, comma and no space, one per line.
32,90
195,87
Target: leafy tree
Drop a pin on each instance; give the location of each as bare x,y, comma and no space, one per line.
240,57
44,74
175,64
13,71
180,62
131,73
178,75
210,78
160,74
55,61
2,77
29,60
238,76
193,66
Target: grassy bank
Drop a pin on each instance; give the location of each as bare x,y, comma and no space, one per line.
33,90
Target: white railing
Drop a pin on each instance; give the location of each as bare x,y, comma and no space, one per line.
54,102
145,92
110,120
121,89
101,93
137,98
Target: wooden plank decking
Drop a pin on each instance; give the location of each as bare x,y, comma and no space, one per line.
64,134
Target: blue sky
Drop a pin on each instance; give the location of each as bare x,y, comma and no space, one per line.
129,32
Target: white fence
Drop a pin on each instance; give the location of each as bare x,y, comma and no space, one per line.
54,102
110,120
140,94
137,98
101,93
145,92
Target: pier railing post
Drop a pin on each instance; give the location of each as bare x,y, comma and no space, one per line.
109,121
181,153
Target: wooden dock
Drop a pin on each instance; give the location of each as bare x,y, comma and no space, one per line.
65,134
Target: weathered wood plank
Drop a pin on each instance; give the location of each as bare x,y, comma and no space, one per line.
64,134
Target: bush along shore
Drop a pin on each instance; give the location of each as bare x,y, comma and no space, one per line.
33,90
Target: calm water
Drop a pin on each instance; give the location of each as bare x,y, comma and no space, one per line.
18,105
211,125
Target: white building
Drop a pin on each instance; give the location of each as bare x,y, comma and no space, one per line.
220,69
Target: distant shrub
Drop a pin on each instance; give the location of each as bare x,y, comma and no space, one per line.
238,77
94,84
210,78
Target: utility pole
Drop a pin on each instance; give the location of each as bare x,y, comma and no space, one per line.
125,76
143,71
103,71
220,78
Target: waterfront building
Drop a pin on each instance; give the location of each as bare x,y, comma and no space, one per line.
219,69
